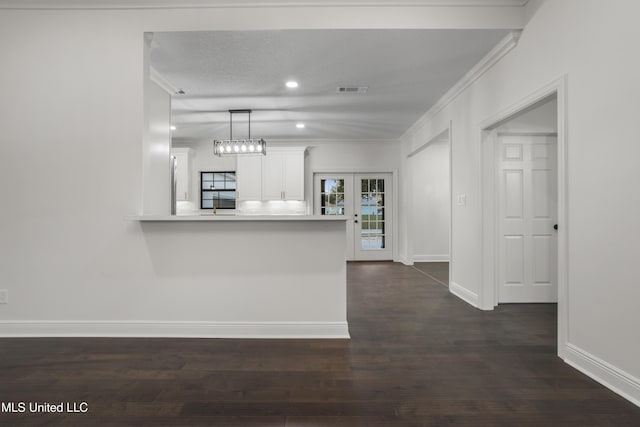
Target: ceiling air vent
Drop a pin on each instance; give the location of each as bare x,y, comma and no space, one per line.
352,89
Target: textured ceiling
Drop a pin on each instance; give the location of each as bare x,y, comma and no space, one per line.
406,72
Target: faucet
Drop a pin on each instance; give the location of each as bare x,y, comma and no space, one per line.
215,210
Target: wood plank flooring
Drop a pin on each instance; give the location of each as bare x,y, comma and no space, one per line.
418,356
438,271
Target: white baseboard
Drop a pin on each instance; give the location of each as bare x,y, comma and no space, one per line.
619,381
162,329
431,258
464,294
404,259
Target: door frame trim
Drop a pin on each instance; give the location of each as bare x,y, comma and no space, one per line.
487,129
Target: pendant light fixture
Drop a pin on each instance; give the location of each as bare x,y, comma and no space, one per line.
234,147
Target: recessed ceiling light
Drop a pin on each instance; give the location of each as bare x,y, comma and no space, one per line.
173,127
300,125
291,84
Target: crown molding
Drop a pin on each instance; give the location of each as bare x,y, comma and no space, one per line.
485,64
161,81
296,141
332,141
197,4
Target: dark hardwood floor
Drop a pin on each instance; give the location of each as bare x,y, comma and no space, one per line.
438,271
418,356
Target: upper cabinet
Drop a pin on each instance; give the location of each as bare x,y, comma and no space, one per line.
249,178
283,173
183,173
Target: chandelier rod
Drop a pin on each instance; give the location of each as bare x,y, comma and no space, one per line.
231,113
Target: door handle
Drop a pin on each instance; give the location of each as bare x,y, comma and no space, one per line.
555,226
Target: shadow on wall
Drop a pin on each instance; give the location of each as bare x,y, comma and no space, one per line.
247,248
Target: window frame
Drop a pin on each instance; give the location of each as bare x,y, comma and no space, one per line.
218,190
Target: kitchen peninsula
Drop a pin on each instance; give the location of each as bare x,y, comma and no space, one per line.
254,276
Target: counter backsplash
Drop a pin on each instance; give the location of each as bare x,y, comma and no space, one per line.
278,207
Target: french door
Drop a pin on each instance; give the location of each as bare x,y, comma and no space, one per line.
365,199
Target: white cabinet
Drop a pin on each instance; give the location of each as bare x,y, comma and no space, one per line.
283,174
249,178
183,173
293,181
272,170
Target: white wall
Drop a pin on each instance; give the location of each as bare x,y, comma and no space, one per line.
349,157
592,43
541,119
430,202
156,142
355,156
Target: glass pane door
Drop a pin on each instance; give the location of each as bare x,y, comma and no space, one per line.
365,199
373,215
372,206
333,195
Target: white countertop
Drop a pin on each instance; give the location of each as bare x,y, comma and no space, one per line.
227,217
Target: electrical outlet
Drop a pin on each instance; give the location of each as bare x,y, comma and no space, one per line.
4,296
462,199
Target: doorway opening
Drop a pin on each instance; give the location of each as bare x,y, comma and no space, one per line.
523,204
366,200
429,203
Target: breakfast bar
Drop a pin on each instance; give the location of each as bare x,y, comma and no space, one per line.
253,276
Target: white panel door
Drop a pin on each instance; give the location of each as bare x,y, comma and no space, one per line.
527,215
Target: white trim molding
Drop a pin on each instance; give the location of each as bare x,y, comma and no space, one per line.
464,294
185,329
485,64
487,130
161,81
206,4
405,260
619,381
431,258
